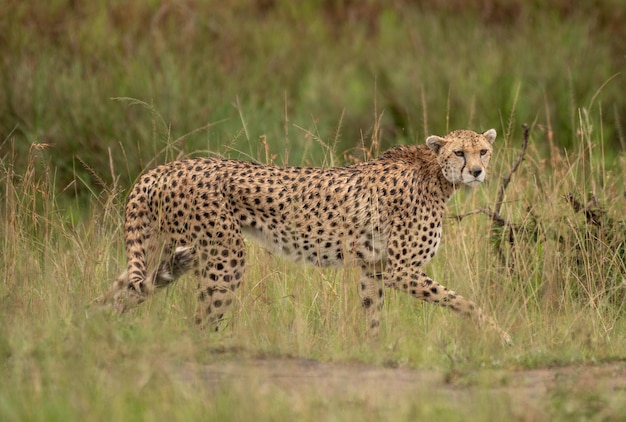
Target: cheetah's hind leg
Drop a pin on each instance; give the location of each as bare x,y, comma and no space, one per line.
123,295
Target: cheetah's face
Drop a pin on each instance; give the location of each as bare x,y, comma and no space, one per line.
463,155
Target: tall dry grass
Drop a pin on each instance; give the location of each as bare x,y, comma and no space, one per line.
557,288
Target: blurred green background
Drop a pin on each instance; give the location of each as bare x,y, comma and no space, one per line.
112,86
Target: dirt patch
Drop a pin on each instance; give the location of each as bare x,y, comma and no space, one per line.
524,392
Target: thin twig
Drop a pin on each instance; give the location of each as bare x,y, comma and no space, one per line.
507,179
497,219
460,217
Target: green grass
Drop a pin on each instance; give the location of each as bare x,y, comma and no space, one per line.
296,70
66,359
93,93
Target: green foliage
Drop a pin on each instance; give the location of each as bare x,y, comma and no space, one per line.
292,68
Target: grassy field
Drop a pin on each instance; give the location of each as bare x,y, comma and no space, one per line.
93,93
558,294
299,71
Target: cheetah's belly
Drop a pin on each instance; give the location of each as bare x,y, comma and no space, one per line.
334,250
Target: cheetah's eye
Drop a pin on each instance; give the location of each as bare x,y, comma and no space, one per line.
483,152
459,153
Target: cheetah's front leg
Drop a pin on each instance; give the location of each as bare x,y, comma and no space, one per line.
421,286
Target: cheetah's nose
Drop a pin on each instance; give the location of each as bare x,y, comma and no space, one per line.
476,171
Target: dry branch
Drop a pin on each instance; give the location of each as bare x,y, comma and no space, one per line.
506,180
593,214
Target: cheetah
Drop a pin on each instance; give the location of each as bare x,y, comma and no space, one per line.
383,215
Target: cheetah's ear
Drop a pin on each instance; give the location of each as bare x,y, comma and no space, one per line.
435,143
490,135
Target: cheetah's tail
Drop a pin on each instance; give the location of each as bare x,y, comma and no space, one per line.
181,261
123,296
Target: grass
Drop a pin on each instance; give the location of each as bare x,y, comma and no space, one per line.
65,359
296,69
94,93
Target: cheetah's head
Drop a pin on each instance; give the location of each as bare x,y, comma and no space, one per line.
463,155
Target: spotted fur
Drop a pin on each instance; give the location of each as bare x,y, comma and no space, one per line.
384,216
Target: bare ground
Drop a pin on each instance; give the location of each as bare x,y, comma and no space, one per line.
524,393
